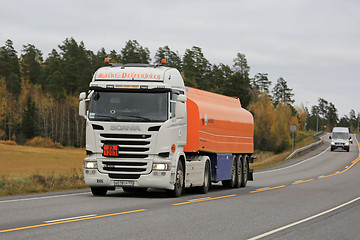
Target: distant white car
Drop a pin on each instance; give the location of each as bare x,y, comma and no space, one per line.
341,138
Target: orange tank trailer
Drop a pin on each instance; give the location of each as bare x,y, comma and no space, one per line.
217,124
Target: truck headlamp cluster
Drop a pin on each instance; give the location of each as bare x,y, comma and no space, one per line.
161,166
90,165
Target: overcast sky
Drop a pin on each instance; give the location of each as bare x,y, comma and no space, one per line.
313,44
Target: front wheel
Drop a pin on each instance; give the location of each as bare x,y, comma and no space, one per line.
179,184
207,179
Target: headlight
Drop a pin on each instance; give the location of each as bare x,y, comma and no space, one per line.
161,166
90,165
332,143
347,144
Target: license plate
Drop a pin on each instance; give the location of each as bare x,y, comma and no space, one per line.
111,150
121,183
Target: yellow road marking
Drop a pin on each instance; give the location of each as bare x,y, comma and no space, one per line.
68,221
205,199
304,181
267,189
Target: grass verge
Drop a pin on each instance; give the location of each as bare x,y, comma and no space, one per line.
269,159
28,169
36,183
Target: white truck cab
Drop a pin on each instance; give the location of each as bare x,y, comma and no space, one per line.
340,138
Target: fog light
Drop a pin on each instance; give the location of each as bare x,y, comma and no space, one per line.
163,173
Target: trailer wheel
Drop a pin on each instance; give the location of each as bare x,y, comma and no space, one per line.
99,191
239,171
230,183
179,184
207,179
245,166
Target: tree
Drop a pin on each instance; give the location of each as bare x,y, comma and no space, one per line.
264,118
322,107
279,131
282,93
9,67
77,66
172,58
133,52
31,64
238,84
260,82
28,120
352,120
332,115
219,76
196,69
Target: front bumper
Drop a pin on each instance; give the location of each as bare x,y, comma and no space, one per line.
155,179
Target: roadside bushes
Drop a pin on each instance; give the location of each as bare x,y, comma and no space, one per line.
43,142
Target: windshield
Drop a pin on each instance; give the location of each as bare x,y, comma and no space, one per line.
128,107
340,135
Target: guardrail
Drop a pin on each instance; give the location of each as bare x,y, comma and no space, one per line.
306,148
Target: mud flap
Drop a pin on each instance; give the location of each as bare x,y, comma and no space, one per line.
251,175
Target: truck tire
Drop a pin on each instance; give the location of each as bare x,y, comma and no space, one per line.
207,179
239,171
245,167
230,183
179,184
99,191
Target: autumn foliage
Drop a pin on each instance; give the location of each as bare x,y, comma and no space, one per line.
272,132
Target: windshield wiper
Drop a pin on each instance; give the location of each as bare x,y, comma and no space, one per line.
106,116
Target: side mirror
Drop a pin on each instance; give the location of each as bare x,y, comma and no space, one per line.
82,105
180,110
181,98
82,96
82,108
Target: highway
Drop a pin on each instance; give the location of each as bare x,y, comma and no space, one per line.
316,196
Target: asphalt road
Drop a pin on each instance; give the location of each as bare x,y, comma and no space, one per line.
316,196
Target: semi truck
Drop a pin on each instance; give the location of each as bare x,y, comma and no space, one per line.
145,129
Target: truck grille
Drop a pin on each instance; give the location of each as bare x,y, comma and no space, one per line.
133,158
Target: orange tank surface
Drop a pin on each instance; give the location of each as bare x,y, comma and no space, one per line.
217,123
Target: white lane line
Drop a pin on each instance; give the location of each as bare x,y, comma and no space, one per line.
72,218
306,160
259,189
298,181
346,166
304,220
39,198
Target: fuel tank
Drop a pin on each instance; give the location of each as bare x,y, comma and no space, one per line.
217,124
